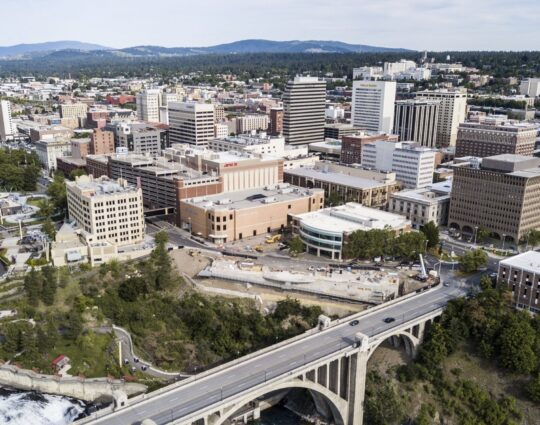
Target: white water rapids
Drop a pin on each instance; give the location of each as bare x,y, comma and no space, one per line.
33,408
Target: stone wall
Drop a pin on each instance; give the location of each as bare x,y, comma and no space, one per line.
81,388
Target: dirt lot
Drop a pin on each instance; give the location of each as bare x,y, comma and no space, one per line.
187,264
270,297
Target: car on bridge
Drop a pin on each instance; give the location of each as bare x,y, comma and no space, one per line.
388,320
354,322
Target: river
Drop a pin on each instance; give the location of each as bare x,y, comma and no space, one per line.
33,408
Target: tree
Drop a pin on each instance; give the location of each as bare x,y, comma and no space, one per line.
382,405
334,199
48,291
482,233
57,192
516,344
471,261
431,232
296,246
76,173
46,208
49,229
161,262
533,238
533,389
75,325
132,288
33,286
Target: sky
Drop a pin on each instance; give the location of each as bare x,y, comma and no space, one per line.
413,24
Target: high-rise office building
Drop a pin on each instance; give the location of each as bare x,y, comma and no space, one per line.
7,129
452,112
148,103
493,136
417,120
373,105
303,110
502,194
191,122
276,121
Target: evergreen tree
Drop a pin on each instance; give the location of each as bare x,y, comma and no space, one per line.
48,291
33,286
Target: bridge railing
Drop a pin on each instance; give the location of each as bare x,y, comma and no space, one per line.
202,375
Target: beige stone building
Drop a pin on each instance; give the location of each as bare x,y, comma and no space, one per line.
520,274
107,211
423,205
495,137
369,188
502,194
239,215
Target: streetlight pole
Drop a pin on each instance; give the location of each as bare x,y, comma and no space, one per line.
475,233
504,240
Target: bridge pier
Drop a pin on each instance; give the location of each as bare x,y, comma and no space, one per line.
357,383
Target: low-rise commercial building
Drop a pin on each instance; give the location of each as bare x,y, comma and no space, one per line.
253,143
347,184
51,149
329,150
421,206
521,275
325,232
501,194
239,215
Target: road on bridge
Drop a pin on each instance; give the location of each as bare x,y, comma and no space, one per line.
198,394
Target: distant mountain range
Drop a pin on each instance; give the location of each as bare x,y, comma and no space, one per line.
22,51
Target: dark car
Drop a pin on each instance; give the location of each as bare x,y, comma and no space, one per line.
389,320
354,322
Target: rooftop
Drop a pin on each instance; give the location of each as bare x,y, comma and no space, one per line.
528,261
90,186
351,217
336,178
253,197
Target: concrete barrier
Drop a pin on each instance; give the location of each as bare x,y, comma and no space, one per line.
89,389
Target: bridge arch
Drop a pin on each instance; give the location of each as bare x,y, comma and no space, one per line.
410,342
337,405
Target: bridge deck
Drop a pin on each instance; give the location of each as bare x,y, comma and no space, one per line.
184,400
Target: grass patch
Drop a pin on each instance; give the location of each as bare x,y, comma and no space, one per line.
92,355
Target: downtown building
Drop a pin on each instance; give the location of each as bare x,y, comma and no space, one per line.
191,122
351,145
452,112
520,274
502,194
148,104
495,136
413,165
7,129
106,210
373,105
303,110
416,120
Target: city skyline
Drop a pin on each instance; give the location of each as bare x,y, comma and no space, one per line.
415,24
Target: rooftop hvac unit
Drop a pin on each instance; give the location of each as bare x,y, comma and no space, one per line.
223,201
269,199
